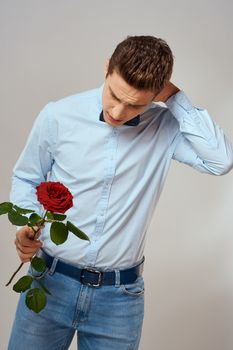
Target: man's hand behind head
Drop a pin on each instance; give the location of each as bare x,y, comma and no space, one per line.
169,90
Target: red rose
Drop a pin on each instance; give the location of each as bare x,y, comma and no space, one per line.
54,196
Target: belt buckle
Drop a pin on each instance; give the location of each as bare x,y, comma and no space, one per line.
92,269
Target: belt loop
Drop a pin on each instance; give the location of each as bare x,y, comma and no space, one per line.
53,266
117,278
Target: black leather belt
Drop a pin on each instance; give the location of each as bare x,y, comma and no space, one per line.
92,276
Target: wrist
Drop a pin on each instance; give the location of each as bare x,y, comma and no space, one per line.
171,91
168,91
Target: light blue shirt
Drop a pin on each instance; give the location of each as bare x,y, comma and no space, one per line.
115,174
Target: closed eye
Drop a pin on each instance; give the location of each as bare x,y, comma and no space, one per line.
131,106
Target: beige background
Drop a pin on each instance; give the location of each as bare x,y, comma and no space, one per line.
51,49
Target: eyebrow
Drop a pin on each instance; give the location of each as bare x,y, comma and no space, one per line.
130,104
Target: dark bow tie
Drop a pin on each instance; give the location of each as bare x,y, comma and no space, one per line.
134,122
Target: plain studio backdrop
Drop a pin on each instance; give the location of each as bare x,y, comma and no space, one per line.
52,49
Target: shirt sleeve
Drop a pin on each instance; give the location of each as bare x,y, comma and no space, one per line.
200,142
34,163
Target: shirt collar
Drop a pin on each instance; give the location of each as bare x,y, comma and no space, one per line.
133,122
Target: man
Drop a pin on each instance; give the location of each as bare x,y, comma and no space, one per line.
112,147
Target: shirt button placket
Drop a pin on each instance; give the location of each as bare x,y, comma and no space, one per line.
110,167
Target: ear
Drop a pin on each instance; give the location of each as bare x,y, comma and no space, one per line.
106,67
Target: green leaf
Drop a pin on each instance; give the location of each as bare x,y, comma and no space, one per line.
59,217
49,215
23,210
35,219
35,299
5,207
16,218
54,216
58,232
76,231
23,284
38,264
43,287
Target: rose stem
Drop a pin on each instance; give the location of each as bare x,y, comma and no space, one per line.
35,231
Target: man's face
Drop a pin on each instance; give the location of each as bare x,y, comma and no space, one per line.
122,102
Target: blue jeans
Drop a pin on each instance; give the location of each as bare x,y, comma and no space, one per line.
106,317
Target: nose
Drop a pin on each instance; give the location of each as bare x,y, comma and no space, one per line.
117,112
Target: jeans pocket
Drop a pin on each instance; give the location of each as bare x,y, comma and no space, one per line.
36,274
136,288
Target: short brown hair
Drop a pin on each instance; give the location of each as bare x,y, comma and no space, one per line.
144,62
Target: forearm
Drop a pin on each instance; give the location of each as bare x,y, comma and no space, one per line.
199,134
